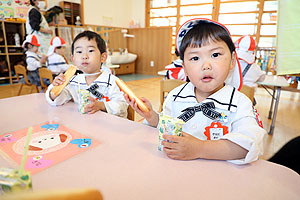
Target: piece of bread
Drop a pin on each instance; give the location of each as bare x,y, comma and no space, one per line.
131,95
68,75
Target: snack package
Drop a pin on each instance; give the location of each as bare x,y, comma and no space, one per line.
168,125
12,181
83,100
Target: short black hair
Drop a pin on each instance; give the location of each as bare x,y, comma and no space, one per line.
177,53
201,33
91,35
26,45
32,2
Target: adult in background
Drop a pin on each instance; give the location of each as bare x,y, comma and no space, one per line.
36,24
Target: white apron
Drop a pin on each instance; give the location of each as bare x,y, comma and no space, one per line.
43,38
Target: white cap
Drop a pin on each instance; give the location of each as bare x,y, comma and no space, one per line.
235,78
55,42
32,39
245,47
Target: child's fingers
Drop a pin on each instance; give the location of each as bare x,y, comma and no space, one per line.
147,102
91,99
92,112
126,98
173,138
60,79
169,145
171,153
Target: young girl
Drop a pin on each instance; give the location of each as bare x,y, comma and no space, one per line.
33,59
219,120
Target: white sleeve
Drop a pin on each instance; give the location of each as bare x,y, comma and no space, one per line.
246,132
117,104
61,99
260,74
32,64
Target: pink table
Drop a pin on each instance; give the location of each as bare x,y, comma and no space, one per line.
127,164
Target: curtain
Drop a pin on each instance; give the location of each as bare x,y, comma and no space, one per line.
288,37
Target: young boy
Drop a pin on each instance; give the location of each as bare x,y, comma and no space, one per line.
219,120
33,59
251,72
88,52
56,61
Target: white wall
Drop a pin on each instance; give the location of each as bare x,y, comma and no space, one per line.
114,12
138,11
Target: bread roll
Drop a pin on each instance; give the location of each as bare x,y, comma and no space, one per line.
68,75
131,95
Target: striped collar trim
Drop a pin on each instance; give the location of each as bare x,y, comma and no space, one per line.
225,99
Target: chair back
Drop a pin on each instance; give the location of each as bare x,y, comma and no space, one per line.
21,70
69,194
248,91
45,73
166,86
130,113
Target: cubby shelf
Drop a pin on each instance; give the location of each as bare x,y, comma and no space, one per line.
10,53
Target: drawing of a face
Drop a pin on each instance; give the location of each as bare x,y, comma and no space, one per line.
47,141
43,142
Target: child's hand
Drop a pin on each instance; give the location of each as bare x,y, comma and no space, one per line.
151,116
94,106
60,79
185,147
43,59
134,105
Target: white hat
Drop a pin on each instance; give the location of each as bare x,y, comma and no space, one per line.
245,47
235,78
32,39
55,42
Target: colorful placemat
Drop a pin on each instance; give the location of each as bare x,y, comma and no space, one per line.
50,144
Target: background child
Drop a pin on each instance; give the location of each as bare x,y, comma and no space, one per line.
175,70
56,61
219,120
88,52
251,72
33,59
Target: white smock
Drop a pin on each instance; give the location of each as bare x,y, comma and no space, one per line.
43,38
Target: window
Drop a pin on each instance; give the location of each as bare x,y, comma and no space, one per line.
255,17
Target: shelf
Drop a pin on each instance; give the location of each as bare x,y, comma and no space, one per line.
4,77
71,11
7,77
13,46
15,54
10,46
10,51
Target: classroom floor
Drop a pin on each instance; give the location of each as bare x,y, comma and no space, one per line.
287,124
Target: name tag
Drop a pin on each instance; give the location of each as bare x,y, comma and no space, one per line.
215,131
